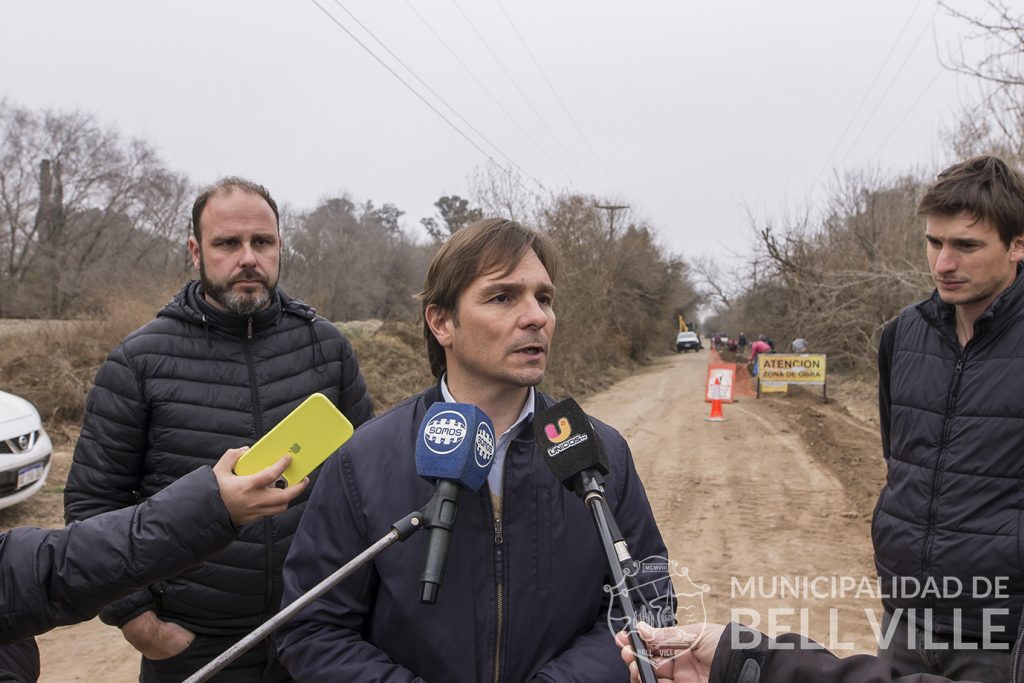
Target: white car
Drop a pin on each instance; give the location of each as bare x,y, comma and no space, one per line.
686,341
25,450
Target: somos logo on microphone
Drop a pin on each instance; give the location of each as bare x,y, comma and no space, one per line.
445,432
559,436
484,451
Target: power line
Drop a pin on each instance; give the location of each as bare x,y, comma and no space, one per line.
889,87
433,92
554,91
490,94
522,94
864,99
409,87
907,114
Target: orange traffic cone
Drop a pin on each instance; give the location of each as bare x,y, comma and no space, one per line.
716,412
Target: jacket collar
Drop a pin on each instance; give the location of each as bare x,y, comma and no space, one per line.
1002,309
190,304
541,402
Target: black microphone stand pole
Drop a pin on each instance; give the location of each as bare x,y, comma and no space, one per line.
591,488
400,531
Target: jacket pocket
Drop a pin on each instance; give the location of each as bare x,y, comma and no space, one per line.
542,553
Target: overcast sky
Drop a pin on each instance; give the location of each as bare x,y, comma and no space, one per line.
690,112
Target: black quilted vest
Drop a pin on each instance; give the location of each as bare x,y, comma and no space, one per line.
950,510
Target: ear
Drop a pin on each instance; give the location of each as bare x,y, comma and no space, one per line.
193,250
1017,249
440,322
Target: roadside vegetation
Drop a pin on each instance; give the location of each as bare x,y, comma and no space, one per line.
90,253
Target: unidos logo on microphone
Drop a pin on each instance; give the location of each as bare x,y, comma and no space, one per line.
560,436
484,451
560,433
445,432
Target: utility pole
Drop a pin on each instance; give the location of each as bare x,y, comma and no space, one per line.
611,208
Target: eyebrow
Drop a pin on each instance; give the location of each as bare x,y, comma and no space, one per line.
497,287
957,241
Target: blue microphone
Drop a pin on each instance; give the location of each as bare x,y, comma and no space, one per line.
455,449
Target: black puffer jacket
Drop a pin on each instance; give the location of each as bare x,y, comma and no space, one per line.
173,396
953,434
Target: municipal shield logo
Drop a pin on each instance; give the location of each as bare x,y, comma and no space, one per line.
662,593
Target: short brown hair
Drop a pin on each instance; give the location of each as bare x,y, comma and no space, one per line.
983,188
484,246
226,186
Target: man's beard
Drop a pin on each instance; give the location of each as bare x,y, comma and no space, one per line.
236,302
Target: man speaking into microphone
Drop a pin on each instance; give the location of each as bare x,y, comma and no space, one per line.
517,592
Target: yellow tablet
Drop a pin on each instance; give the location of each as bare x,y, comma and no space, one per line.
310,433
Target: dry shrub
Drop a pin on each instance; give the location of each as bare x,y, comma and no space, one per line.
393,360
53,363
837,280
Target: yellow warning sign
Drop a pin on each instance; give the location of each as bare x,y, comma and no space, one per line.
786,368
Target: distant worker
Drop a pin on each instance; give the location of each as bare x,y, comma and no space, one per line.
799,345
758,347
950,418
741,343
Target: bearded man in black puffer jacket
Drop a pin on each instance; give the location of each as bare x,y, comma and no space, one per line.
221,364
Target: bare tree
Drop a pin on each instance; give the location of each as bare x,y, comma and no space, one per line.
353,262
838,279
993,53
503,192
77,206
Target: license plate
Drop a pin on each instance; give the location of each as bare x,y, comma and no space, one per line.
30,474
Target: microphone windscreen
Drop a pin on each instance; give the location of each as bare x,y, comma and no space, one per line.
456,442
568,442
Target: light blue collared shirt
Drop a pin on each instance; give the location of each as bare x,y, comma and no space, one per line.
500,448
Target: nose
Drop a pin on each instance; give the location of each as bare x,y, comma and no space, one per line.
945,261
534,315
248,256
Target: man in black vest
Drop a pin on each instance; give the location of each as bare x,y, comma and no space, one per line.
947,527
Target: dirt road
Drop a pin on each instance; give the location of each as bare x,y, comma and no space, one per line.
749,506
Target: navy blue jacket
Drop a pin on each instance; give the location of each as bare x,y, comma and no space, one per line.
952,423
520,602
176,394
51,577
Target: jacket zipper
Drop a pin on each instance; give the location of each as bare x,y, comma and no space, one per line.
500,591
954,389
268,531
499,564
